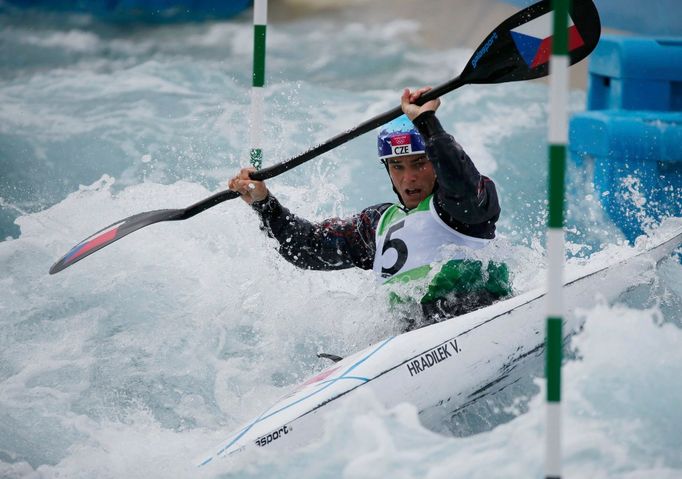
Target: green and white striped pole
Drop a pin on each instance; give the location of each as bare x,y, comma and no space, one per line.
558,137
260,24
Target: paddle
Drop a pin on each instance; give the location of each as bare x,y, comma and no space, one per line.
518,49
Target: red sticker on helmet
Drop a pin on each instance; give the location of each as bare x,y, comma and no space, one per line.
399,140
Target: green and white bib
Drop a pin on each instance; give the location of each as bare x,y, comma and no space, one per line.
409,242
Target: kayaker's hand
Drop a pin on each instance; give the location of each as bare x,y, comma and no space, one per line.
413,111
250,190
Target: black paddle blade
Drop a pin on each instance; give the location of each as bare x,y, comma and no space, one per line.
521,46
111,233
118,230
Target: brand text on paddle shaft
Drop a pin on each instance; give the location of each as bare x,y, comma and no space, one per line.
432,357
484,50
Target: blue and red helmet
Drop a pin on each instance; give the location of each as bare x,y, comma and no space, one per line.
399,138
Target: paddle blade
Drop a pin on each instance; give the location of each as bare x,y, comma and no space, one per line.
521,46
112,233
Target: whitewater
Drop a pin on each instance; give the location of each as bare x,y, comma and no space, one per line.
140,358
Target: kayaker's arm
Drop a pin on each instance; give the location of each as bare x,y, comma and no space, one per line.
466,200
329,245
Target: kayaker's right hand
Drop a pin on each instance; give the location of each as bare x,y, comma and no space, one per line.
410,108
250,190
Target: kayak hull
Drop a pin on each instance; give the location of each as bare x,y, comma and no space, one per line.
449,364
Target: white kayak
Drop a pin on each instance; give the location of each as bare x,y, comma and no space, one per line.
451,363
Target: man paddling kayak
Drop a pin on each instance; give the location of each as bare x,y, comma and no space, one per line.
424,246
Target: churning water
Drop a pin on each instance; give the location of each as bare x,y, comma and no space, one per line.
140,358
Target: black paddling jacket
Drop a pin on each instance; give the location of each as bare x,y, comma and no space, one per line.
463,198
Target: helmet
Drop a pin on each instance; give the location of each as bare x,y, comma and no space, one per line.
399,138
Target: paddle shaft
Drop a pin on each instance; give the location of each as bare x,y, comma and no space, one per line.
338,140
361,129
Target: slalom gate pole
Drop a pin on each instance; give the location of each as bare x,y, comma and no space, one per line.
558,138
260,25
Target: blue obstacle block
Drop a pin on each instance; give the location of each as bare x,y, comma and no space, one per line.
631,73
631,135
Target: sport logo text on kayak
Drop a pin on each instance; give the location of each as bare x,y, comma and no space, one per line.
432,357
273,436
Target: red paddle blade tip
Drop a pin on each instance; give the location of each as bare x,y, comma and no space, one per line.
86,247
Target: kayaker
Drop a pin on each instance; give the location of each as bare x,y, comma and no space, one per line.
427,243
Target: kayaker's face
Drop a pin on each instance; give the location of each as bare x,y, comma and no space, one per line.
414,178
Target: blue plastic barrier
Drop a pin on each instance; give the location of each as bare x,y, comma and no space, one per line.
631,134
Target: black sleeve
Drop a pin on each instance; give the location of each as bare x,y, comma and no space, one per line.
464,199
331,244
